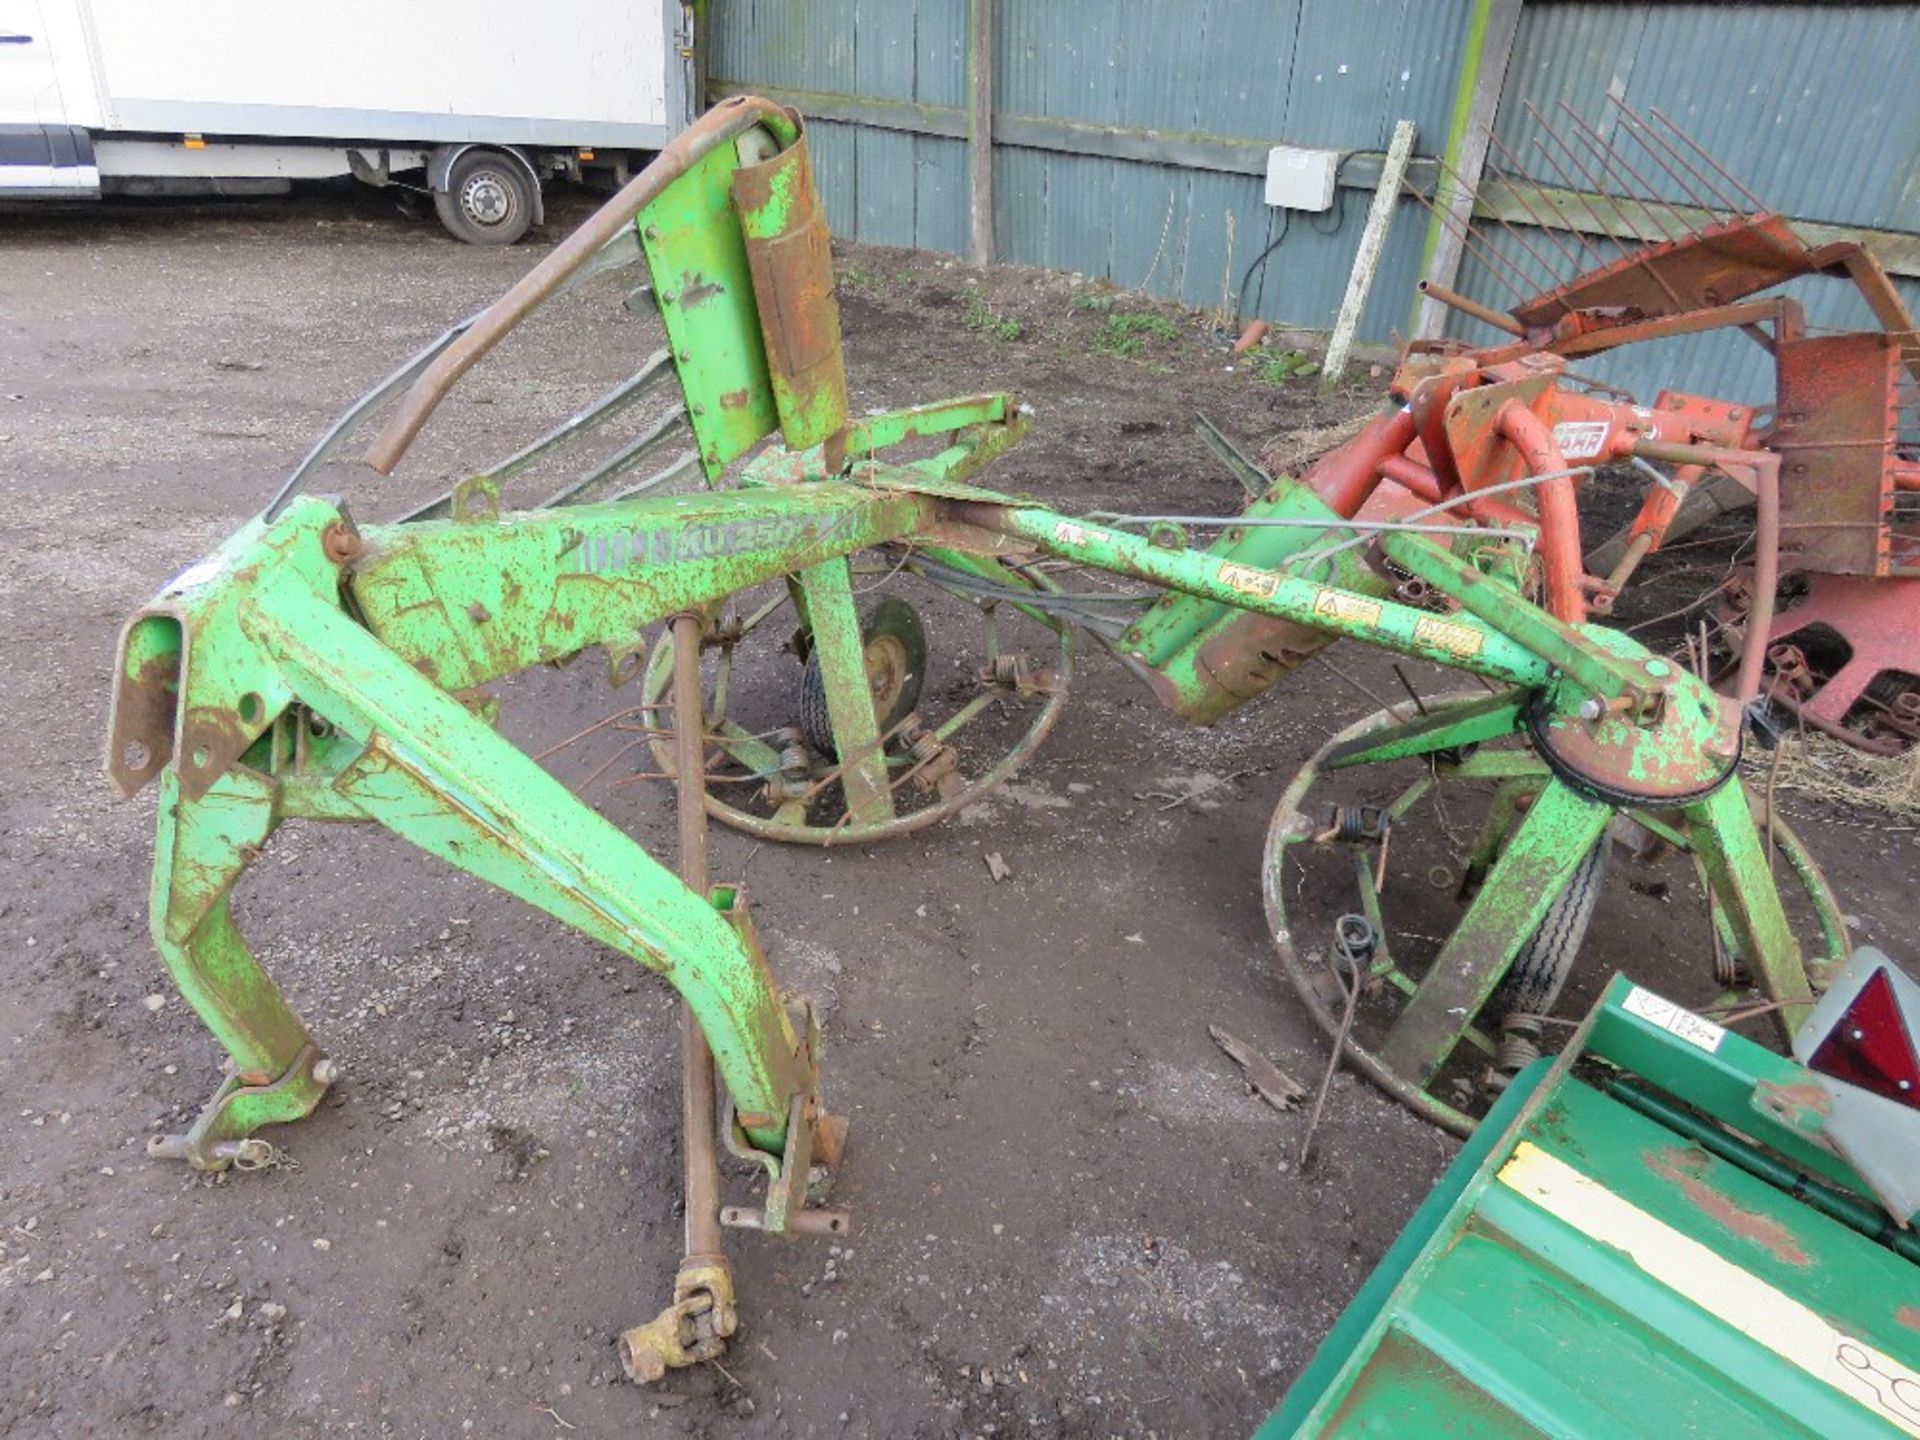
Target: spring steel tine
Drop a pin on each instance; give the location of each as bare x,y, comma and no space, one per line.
1707,155
1574,180
1639,132
628,392
1579,235
1608,156
622,460
1466,238
689,461
1716,199
1632,244
1553,275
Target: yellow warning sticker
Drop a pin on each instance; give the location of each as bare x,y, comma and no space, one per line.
1448,635
1248,581
1344,606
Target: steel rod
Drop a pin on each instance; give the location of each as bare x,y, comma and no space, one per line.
698,1101
1707,155
1703,192
1566,165
1554,278
1485,314
1468,238
1732,204
1610,155
1549,225
1631,242
1552,203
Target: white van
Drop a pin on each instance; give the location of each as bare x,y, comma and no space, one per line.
475,101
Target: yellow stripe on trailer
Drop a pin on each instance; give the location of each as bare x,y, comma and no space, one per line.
1765,1315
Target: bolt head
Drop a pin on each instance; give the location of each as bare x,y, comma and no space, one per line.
325,1072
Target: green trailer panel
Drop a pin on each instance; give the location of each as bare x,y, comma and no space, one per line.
1595,1272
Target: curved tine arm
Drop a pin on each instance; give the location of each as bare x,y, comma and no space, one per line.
724,122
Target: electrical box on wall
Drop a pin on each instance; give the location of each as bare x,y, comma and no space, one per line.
1301,179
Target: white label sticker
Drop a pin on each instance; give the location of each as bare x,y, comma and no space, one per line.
1673,1019
1580,439
1068,533
1448,635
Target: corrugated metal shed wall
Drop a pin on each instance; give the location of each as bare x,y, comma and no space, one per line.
1812,105
1315,72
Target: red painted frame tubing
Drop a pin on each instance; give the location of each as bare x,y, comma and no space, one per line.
1765,466
1559,510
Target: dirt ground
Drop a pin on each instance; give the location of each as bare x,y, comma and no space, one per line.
1072,1218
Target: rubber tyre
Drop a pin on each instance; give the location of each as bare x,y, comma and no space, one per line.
891,619
1533,984
488,200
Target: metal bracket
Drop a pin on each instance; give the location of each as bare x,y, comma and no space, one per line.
222,1135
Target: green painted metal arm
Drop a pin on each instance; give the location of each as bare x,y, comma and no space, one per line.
261,627
471,603
1463,642
1594,669
437,776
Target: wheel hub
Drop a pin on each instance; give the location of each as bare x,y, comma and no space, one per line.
486,199
886,658
1689,752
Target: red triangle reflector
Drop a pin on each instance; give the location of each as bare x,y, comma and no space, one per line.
1872,1046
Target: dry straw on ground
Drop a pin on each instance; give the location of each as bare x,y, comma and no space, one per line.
1825,769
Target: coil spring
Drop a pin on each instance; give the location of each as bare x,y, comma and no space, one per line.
1008,669
1519,1043
1354,942
1354,823
794,760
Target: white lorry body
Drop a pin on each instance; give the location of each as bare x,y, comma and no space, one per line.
152,96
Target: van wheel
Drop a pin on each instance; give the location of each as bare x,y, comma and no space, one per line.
488,200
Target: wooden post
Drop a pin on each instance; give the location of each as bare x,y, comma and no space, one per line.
1372,241
980,130
1483,71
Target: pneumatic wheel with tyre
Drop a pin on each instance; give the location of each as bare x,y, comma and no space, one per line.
1539,972
488,199
894,643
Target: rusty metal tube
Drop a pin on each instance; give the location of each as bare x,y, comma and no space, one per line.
1414,477
817,1222
1559,510
1485,314
1345,477
1636,551
724,122
697,1098
1765,466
